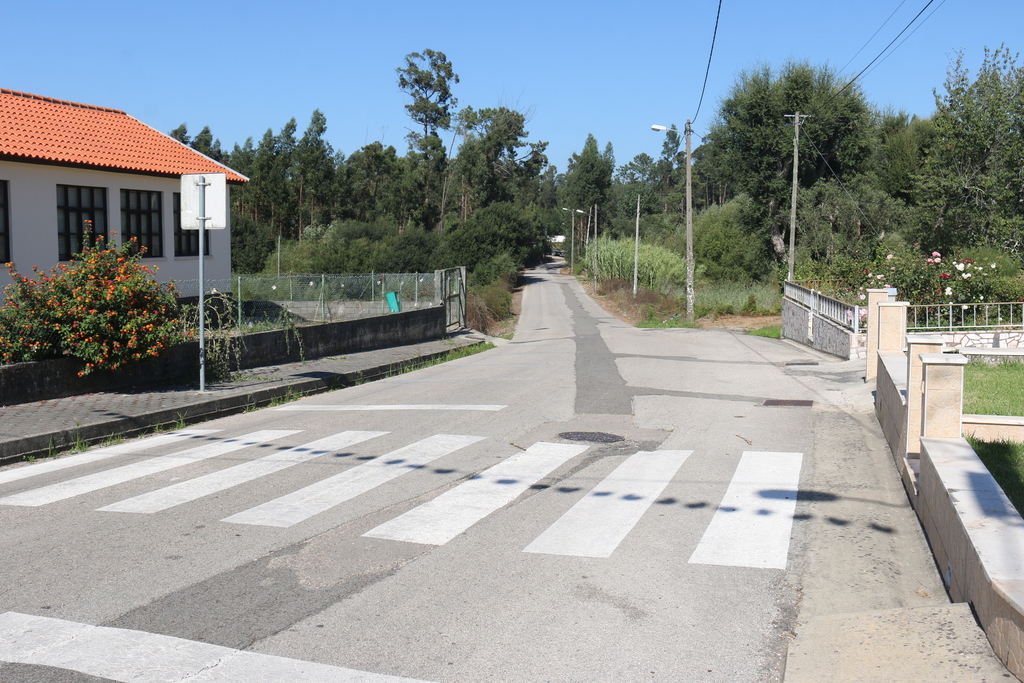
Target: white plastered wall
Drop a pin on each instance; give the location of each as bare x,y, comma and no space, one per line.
32,199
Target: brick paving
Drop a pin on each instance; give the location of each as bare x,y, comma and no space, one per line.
45,427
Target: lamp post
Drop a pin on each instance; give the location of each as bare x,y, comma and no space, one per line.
689,221
572,236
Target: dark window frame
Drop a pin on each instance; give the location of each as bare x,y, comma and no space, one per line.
186,242
77,204
5,223
142,220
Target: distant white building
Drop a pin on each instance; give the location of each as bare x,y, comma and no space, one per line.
64,163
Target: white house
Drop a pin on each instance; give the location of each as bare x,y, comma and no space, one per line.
64,163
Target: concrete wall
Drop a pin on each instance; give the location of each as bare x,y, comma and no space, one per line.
26,382
33,219
891,402
977,538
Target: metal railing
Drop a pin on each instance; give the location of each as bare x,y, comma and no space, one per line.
844,314
951,317
277,301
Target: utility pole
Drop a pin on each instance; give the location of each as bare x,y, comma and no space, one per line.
636,247
689,230
595,250
689,217
792,209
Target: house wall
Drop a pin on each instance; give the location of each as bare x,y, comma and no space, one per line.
32,196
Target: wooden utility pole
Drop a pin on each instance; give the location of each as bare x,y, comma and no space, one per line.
792,209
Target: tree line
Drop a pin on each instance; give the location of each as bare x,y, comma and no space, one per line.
472,189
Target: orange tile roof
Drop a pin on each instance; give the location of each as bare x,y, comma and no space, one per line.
47,130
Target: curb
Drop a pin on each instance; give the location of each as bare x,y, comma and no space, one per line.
54,443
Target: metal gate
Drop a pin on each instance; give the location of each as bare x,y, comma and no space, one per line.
451,289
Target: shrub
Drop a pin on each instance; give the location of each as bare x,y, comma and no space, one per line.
497,299
103,308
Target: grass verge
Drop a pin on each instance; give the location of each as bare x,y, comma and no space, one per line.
994,389
1005,461
772,332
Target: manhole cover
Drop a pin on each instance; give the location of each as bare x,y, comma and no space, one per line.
598,437
788,402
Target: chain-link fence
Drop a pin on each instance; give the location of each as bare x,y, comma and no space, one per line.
267,302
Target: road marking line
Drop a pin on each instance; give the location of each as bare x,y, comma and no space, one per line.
752,526
120,475
453,380
445,517
100,454
139,657
323,495
186,491
597,523
426,406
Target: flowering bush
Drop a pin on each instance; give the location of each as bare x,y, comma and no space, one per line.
103,307
932,278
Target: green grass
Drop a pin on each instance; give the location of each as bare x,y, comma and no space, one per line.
772,332
1005,461
994,389
729,298
677,320
998,390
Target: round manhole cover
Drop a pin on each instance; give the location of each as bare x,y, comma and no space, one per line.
598,437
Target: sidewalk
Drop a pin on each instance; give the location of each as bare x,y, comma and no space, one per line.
46,427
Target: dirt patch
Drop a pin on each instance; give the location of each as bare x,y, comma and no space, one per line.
623,306
631,311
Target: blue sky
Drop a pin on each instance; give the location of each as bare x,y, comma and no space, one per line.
607,68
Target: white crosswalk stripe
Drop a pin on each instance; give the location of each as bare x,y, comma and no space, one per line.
100,480
316,498
595,525
95,455
129,656
190,490
442,519
753,524
373,408
751,527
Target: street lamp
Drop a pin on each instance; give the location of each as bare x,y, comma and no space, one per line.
689,221
572,243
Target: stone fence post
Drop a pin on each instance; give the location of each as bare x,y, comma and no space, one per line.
917,344
943,395
875,297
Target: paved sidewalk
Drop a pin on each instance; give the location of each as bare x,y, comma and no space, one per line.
44,427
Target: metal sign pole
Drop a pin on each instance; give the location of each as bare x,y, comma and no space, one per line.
195,216
202,285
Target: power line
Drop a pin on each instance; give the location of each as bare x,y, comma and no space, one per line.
902,2
708,70
937,8
836,176
854,79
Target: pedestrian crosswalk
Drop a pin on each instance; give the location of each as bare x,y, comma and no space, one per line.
751,527
117,654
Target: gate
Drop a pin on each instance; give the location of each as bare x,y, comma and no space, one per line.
451,289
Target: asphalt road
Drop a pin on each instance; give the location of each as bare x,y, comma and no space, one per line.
439,526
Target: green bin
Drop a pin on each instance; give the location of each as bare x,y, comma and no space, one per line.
393,304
